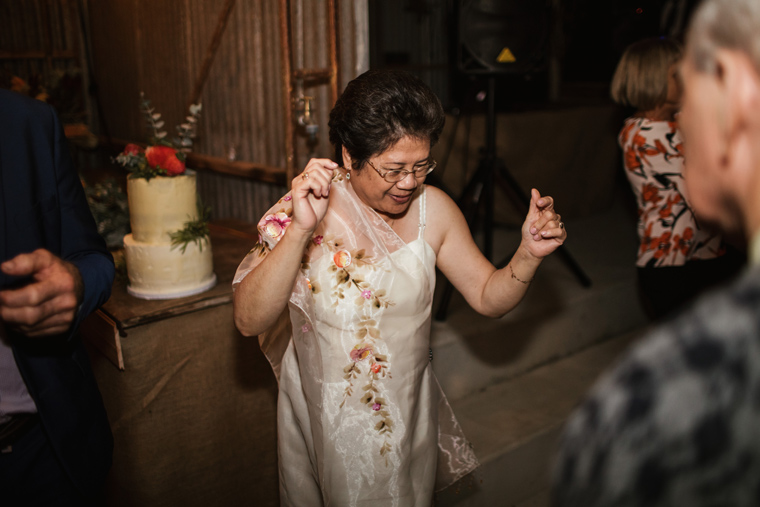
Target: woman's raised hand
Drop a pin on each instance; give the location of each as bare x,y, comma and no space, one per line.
310,191
543,230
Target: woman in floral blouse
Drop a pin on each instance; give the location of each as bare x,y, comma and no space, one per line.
677,257
348,256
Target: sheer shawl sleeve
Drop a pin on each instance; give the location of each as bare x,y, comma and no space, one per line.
273,342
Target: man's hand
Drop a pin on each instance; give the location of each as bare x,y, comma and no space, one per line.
48,304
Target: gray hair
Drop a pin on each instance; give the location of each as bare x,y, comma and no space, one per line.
724,24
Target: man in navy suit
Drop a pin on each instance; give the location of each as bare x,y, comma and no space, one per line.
55,440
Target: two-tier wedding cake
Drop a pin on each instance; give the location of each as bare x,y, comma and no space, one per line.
168,253
158,269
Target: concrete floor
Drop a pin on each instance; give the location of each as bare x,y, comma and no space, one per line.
513,381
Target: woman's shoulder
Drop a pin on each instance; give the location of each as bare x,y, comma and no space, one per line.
443,216
439,201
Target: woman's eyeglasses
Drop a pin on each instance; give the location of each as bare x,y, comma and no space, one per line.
396,175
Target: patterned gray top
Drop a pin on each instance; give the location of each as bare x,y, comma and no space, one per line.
677,420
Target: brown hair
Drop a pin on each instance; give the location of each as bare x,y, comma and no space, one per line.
641,77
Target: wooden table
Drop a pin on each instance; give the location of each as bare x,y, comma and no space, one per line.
192,403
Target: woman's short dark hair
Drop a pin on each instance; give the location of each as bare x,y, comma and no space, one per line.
379,108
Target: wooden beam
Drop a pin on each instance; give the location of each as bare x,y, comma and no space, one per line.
197,161
249,170
216,39
38,55
312,74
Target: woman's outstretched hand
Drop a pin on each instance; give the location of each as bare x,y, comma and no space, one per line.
543,230
310,191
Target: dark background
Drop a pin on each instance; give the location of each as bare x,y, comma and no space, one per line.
574,44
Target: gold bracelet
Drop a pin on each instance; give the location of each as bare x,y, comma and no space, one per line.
526,282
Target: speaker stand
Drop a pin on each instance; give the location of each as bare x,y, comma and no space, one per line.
479,193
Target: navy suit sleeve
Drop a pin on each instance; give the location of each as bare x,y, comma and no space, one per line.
42,202
80,242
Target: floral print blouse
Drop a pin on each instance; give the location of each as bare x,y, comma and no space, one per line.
669,233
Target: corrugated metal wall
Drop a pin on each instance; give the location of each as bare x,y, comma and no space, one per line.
158,47
40,43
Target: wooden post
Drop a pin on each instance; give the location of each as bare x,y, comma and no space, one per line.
287,86
332,28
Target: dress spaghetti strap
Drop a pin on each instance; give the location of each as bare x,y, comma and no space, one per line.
423,208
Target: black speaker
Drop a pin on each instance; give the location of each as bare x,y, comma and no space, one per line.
503,36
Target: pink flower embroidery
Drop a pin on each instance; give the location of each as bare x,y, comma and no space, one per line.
360,352
366,294
305,328
287,198
376,407
318,240
274,225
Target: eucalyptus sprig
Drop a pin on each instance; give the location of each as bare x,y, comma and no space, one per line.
154,121
195,231
110,209
162,157
187,130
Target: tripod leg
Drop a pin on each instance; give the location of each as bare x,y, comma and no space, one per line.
567,258
504,176
574,267
469,203
443,305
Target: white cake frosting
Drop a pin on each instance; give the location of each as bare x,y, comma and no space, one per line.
156,269
158,207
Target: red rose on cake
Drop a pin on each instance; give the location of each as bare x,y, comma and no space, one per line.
162,157
132,149
166,158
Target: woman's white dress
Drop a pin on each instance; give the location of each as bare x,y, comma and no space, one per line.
361,418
